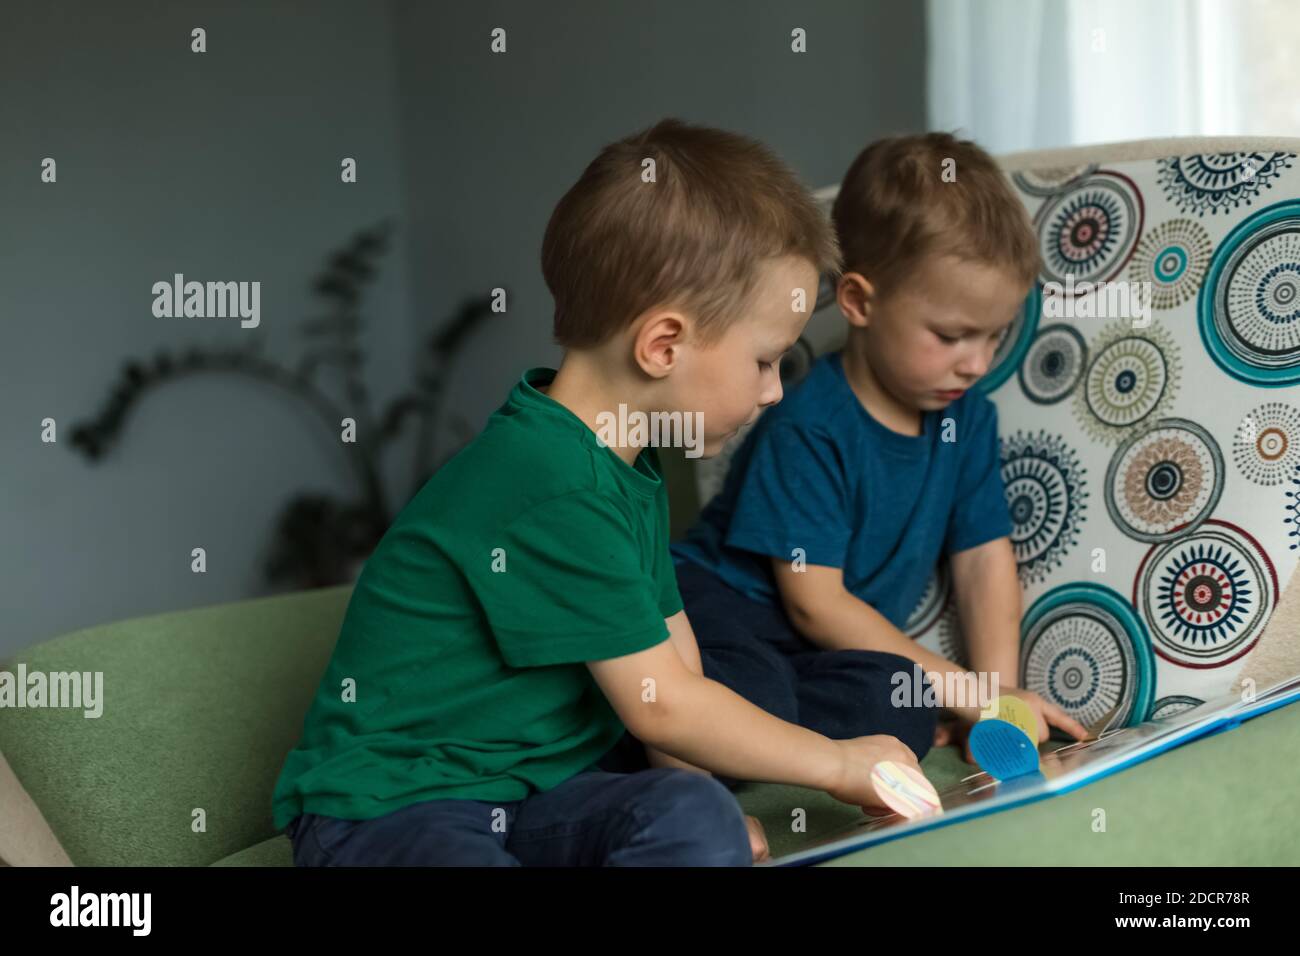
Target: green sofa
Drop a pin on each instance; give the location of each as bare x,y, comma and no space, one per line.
201,706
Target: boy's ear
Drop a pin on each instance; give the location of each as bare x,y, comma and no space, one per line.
856,297
658,340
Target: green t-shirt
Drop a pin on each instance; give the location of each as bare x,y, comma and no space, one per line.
531,551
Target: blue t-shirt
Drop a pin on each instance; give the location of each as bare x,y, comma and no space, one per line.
818,472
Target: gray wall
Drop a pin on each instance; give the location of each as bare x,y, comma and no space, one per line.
221,166
225,167
491,142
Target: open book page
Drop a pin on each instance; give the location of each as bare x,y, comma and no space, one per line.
1062,768
1276,692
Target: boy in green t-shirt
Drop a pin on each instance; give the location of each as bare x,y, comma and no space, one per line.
523,611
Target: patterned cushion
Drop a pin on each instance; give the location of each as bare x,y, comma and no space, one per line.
1150,445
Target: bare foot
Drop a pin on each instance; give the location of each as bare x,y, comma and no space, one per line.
953,732
757,840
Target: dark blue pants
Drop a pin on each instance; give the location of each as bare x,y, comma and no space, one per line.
659,817
756,651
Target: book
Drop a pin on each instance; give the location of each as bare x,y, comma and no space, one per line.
1060,771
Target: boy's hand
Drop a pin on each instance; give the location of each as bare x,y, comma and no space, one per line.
859,755
957,733
1046,713
757,840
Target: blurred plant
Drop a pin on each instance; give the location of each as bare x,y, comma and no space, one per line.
320,540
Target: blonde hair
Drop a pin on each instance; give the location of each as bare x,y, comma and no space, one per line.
894,209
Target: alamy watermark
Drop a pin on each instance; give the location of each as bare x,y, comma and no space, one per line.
640,429
75,908
209,300
1098,300
960,689
75,689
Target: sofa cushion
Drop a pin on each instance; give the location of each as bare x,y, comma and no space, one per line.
1149,443
199,709
277,851
25,837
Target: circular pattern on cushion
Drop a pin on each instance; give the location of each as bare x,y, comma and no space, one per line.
1249,305
1172,705
1133,375
1051,180
1172,258
1053,365
1045,495
1090,230
1218,182
1266,445
1085,650
1206,596
1164,481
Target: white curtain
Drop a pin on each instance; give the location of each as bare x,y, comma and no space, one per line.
1033,74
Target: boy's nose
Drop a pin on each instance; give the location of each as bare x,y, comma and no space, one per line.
974,367
773,395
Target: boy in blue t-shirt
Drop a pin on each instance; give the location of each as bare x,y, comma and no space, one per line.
801,572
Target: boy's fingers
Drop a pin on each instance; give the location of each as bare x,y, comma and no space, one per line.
757,839
1059,718
909,758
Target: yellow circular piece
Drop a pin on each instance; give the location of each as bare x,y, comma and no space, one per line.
1016,712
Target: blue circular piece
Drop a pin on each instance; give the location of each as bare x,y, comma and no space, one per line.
1003,750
